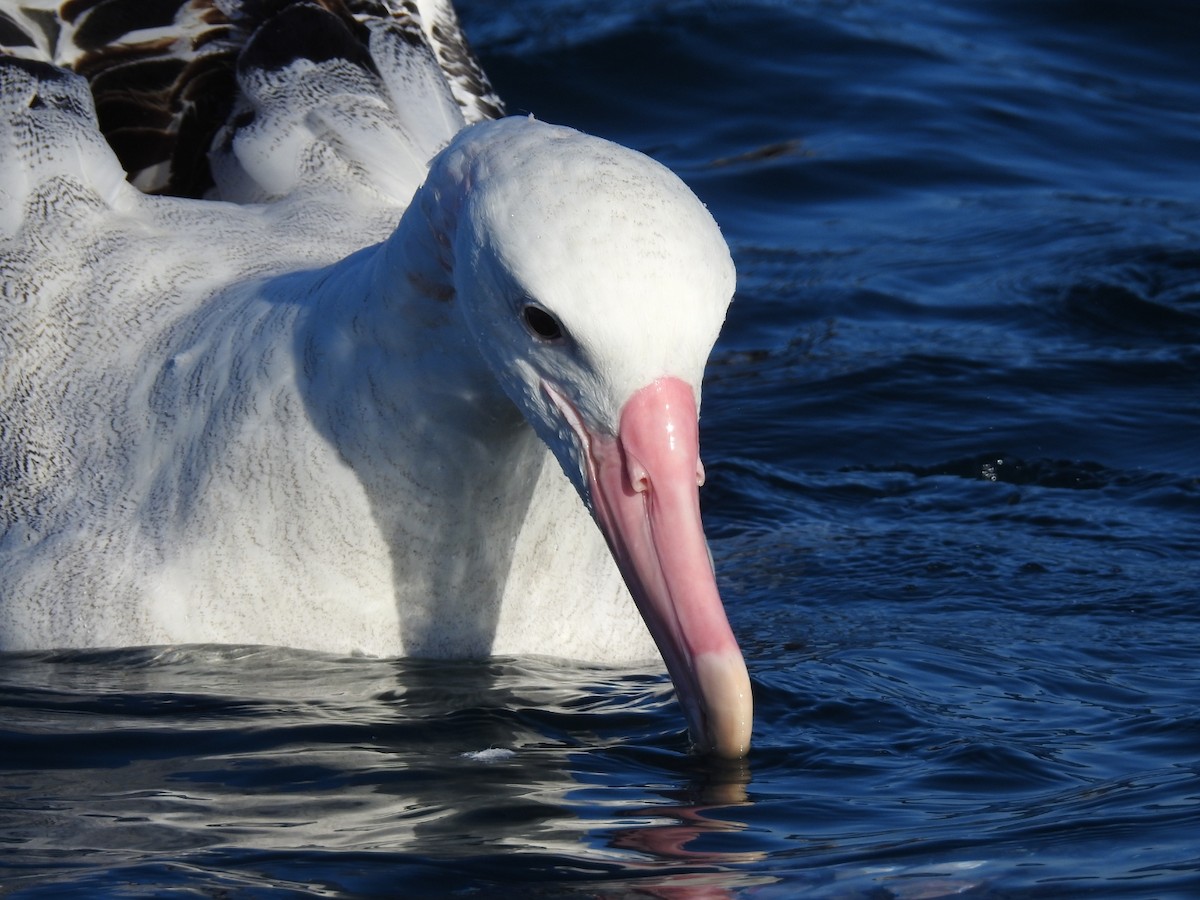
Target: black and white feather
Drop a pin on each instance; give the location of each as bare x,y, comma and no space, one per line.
173,78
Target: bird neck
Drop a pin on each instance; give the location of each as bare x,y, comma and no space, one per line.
390,361
442,456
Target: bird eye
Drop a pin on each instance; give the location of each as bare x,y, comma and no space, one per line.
541,324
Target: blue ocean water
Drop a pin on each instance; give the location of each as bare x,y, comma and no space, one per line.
952,436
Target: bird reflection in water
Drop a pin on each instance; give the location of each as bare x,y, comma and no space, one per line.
689,845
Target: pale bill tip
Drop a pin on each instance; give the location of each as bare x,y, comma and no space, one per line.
728,706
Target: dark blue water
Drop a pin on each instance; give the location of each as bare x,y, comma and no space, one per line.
952,434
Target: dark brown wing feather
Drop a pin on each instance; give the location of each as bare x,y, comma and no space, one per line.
164,73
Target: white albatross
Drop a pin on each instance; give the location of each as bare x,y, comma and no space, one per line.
331,405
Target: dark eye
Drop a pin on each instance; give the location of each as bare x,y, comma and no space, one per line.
541,323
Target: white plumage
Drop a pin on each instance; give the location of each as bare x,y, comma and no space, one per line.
301,414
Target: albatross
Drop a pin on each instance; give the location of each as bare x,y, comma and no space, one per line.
304,343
